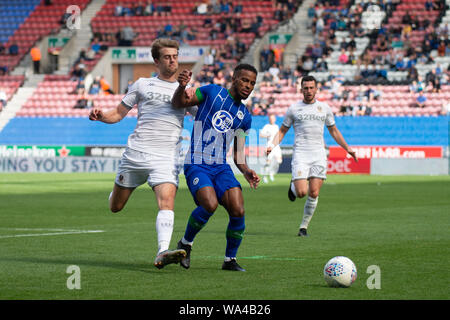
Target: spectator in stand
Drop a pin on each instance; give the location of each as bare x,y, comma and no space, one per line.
138,9
441,49
413,87
225,7
149,9
84,102
104,85
413,74
14,49
429,5
2,48
219,79
3,99
360,110
274,70
95,46
3,70
433,81
420,100
118,10
267,79
126,37
167,9
95,89
201,8
78,73
321,65
382,43
238,8
343,57
35,53
320,25
335,89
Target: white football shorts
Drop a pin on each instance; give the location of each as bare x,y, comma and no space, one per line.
137,167
309,167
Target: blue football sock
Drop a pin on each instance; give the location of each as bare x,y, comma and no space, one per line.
235,233
199,217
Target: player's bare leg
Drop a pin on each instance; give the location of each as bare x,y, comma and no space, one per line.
233,201
165,197
119,197
298,189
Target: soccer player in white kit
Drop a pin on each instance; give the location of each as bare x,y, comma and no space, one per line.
309,162
152,153
274,159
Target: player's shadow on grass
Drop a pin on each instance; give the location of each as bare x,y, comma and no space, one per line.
140,267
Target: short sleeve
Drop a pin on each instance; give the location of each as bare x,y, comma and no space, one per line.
329,120
132,96
203,91
288,118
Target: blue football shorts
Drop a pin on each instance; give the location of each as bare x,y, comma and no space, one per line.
220,177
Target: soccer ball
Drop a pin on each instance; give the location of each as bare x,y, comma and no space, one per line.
340,272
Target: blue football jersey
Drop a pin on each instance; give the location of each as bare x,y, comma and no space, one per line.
219,119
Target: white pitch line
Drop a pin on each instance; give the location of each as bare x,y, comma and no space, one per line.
50,234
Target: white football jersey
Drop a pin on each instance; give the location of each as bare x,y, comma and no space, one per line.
308,121
159,124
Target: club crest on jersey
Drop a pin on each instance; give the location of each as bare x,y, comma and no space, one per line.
319,108
222,121
240,115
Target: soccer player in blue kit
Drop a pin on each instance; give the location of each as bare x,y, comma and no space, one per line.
221,118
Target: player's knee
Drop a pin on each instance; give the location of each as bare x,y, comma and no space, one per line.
238,212
166,203
210,205
314,193
301,193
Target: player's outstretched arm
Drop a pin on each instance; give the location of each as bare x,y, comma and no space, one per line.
277,139
240,161
339,138
183,98
111,116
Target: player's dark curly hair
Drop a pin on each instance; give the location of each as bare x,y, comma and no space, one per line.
309,78
245,66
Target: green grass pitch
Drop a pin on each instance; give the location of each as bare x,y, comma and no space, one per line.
400,224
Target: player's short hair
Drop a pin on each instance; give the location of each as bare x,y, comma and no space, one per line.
158,44
245,66
309,78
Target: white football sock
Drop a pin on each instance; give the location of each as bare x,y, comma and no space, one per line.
308,211
164,229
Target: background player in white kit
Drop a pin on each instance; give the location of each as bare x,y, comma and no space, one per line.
274,159
309,162
152,152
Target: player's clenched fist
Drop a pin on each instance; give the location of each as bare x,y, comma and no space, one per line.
95,114
184,77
